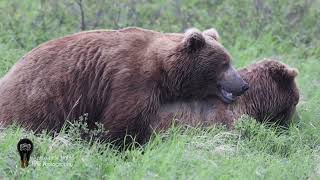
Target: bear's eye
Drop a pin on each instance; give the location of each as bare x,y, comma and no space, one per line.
225,65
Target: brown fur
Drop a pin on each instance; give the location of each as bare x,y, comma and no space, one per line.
120,78
272,97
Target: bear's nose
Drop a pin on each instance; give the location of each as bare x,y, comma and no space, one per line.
245,87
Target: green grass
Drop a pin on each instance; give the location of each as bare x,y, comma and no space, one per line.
250,151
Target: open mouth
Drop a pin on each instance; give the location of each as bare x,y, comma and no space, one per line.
226,96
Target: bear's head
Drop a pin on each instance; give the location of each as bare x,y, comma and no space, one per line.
273,93
200,67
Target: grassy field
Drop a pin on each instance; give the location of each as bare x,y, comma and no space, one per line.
251,151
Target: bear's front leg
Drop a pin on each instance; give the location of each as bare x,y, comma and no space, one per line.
129,113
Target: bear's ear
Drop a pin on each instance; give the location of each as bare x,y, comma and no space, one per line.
194,40
281,72
213,33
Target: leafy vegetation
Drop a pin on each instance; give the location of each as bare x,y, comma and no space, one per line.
250,30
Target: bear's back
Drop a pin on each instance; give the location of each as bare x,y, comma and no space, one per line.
68,76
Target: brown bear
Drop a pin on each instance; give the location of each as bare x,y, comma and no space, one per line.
118,77
272,97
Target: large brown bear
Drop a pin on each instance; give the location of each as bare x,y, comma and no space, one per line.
272,97
119,77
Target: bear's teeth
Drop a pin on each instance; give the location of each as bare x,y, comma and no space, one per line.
229,95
